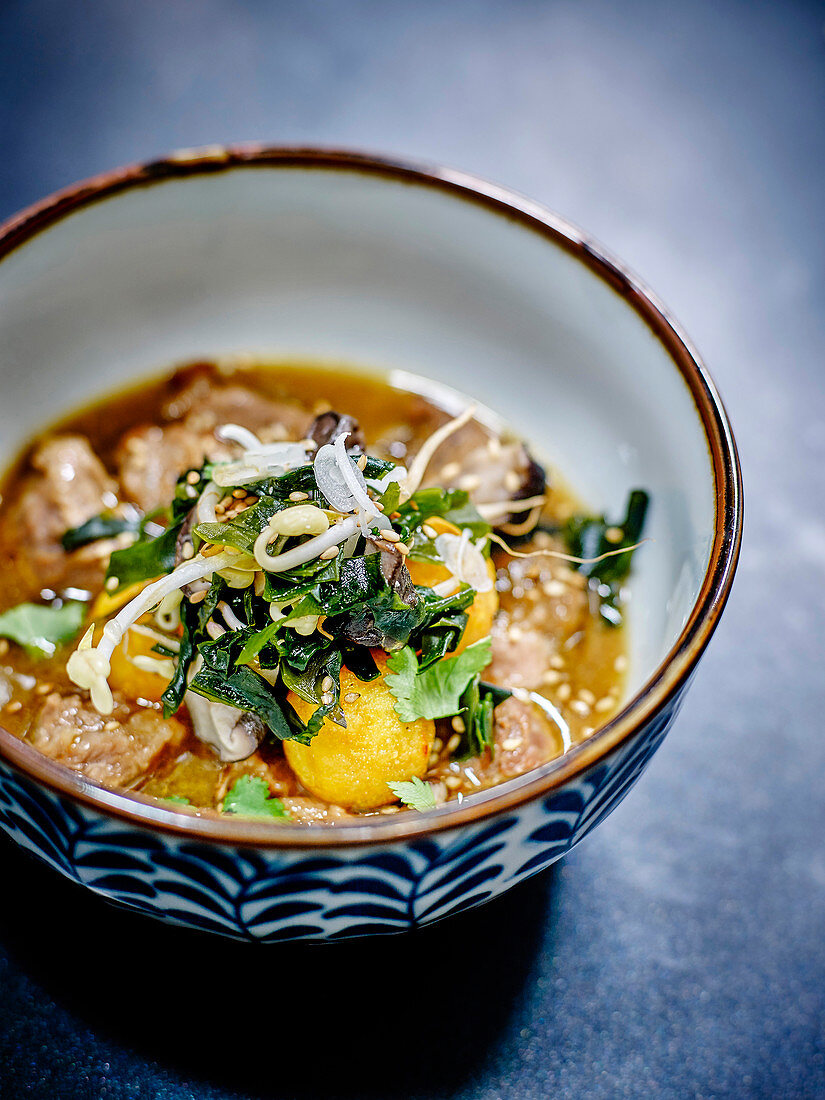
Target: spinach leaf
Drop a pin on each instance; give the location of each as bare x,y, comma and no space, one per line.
586,537
478,702
242,531
309,685
244,689
144,559
98,527
174,693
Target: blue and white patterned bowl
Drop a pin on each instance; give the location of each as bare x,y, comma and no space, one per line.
326,255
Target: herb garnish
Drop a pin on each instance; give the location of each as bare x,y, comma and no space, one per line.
249,796
414,793
41,629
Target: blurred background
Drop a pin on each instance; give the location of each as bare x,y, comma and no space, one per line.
679,951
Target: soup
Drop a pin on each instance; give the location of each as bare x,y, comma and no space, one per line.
304,594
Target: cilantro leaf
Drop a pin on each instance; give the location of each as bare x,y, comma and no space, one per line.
249,795
433,692
177,798
40,629
416,794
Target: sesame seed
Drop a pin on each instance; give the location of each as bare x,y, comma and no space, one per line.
512,482
362,462
451,470
111,584
14,706
587,730
193,477
580,707
554,588
438,745
380,507
326,698
494,447
433,759
587,697
620,664
188,551
557,661
390,536
112,725
352,697
470,482
452,782
198,597
191,492
220,509
43,689
4,646
330,553
551,676
458,724
327,683
614,534
430,532
607,702
239,494
511,744
454,742
564,692
402,548
298,495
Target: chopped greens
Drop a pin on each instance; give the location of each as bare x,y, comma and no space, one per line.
40,629
478,702
435,691
177,798
98,527
593,536
143,560
414,793
249,796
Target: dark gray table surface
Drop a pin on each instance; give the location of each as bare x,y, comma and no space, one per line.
679,951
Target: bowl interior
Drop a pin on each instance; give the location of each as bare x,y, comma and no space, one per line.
340,264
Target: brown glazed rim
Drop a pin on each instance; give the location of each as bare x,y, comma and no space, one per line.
655,693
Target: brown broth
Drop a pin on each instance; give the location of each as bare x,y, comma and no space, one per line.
585,680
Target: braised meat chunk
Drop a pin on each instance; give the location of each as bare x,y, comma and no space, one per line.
114,751
67,485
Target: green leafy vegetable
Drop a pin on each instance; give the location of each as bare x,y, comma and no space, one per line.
433,692
586,537
178,798
416,794
144,559
249,796
242,531
478,702
98,527
40,629
452,505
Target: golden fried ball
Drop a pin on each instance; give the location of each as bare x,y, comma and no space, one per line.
351,767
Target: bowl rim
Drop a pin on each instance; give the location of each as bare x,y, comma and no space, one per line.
664,682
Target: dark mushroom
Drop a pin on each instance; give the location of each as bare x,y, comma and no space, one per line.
329,425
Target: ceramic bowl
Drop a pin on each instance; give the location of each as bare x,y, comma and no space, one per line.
338,256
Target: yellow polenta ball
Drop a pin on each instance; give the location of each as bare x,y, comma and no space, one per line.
351,767
481,612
